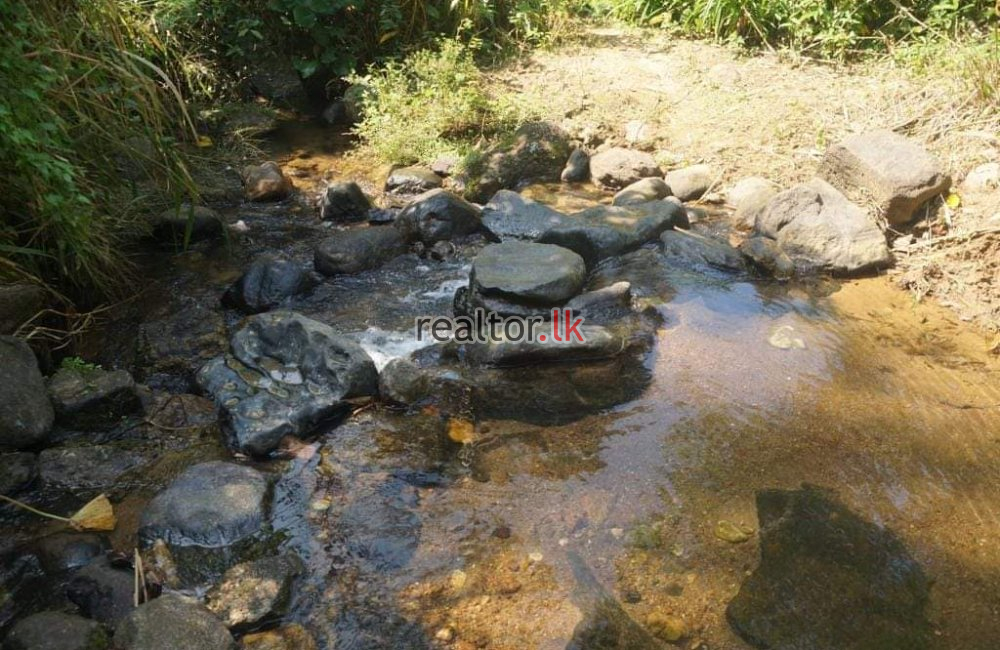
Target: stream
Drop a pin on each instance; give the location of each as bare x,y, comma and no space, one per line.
627,521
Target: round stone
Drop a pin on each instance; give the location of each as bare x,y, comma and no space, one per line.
536,273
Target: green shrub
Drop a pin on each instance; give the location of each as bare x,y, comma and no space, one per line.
431,102
83,101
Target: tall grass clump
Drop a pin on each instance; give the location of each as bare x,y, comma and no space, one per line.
89,124
431,102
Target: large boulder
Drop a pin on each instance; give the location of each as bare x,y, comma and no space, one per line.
285,375
276,79
172,622
887,171
92,398
267,282
536,274
689,248
266,182
853,584
358,249
56,631
26,415
412,180
577,169
690,183
509,215
538,153
820,230
211,504
748,198
616,168
607,231
255,593
344,201
438,215
19,303
648,189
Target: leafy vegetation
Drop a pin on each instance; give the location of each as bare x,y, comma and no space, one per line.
88,124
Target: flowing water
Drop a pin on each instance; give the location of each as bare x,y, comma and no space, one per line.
527,536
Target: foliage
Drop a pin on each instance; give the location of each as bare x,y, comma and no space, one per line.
79,365
431,102
834,28
84,103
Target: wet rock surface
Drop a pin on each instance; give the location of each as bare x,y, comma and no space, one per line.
605,231
356,250
187,223
65,551
211,504
92,398
90,467
853,584
889,172
689,247
267,283
254,593
284,375
617,168
56,631
538,274
648,189
17,471
820,230
266,182
26,415
172,622
438,215
102,592
344,201
412,180
509,215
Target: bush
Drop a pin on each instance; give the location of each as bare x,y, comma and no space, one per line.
83,101
431,102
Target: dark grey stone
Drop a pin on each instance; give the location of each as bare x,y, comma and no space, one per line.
538,153
691,248
64,551
187,222
577,169
92,398
102,592
211,504
538,274
26,415
17,471
172,622
18,304
92,467
344,201
509,215
358,249
266,284
56,631
437,215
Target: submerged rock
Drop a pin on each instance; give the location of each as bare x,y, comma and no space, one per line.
766,256
538,153
64,551
210,504
358,249
888,171
598,343
286,373
267,282
648,189
266,182
412,180
172,622
255,593
616,168
691,248
92,398
288,637
577,169
90,467
690,183
344,201
26,415
607,231
437,215
829,579
820,230
56,631
509,215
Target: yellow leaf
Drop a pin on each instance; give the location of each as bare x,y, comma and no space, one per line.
204,141
953,200
461,431
96,515
385,37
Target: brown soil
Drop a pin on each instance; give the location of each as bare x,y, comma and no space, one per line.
772,115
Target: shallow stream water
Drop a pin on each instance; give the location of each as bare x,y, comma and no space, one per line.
527,534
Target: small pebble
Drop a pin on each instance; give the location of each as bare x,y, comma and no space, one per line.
445,634
536,557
